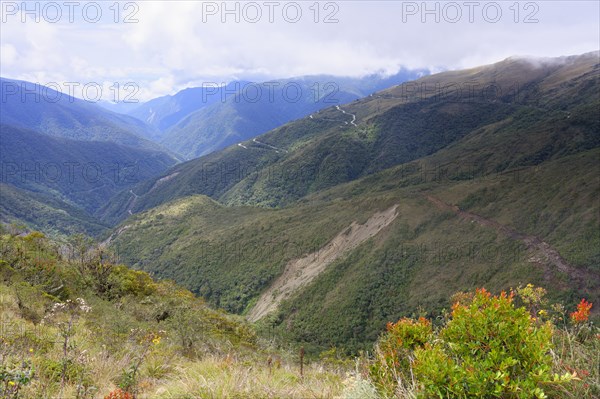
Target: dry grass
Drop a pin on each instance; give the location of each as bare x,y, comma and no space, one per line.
227,377
163,374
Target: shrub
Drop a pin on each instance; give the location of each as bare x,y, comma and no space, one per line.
394,353
488,349
124,281
13,379
582,313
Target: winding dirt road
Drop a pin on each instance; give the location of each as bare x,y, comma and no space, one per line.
352,122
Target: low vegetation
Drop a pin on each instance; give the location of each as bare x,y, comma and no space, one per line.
75,324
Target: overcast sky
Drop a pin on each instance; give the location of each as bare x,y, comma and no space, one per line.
165,46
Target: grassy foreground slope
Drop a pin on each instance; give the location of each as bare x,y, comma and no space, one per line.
79,326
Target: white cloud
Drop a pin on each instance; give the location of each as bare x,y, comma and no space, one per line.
177,44
9,54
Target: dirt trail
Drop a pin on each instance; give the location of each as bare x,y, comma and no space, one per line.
276,149
300,272
132,201
541,252
347,113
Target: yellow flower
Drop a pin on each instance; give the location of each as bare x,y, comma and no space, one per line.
11,383
30,350
542,312
156,341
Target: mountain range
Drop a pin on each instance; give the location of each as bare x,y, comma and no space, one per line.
54,133
332,224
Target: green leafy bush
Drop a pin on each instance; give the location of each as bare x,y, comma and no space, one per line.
489,348
124,281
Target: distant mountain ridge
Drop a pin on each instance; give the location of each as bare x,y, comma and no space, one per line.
54,113
166,111
200,120
62,158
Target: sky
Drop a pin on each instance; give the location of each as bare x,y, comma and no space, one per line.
144,49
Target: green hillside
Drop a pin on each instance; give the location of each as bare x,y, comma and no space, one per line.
229,255
496,193
394,127
38,211
84,173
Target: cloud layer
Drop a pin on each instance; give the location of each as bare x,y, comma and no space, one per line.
166,46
